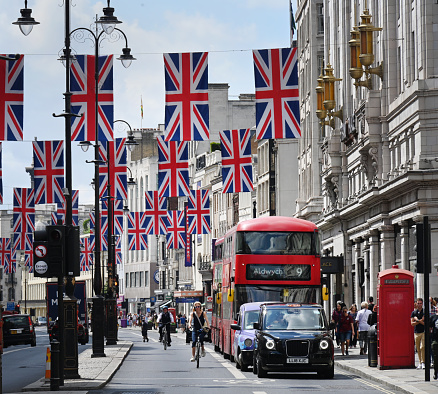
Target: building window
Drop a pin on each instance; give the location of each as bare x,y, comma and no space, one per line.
132,277
127,280
141,279
137,279
320,18
146,278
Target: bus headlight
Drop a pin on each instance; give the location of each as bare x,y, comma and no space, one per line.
323,345
248,342
270,344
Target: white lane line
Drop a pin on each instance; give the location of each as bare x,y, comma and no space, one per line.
259,392
226,364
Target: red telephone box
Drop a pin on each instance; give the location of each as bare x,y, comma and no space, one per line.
395,335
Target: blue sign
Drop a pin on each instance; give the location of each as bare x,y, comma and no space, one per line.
157,276
181,300
10,306
52,299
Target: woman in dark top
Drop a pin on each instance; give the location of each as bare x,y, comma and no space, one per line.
346,330
197,320
336,316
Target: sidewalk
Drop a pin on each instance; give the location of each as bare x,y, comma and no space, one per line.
406,380
95,373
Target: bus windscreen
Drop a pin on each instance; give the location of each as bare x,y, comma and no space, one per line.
277,243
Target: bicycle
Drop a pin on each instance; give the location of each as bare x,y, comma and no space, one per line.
164,336
198,347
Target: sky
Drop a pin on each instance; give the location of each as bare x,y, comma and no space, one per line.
228,29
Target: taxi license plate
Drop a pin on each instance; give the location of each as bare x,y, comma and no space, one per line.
297,361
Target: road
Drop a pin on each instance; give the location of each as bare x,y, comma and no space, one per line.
150,369
23,364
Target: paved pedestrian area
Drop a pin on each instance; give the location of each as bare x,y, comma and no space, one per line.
96,372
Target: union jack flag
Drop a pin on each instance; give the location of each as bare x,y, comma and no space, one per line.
173,168
23,216
118,217
119,259
156,210
1,174
137,237
5,251
236,161
61,209
87,248
277,98
11,99
11,265
176,230
198,212
83,99
117,169
48,157
186,112
28,253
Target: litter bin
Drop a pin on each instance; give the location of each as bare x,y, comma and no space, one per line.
372,346
123,323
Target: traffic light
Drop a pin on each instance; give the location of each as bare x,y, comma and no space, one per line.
49,252
73,250
17,308
116,285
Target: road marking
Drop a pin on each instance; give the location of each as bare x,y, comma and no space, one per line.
375,386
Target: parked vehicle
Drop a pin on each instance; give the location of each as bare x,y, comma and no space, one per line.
293,338
17,330
244,334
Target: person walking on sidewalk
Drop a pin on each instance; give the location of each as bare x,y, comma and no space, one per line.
417,321
336,317
363,326
346,330
353,313
434,341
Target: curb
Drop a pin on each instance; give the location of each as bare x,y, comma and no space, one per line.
390,383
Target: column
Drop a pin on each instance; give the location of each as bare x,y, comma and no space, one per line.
374,262
366,262
404,235
356,256
387,246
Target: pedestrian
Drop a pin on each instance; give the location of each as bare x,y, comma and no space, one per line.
183,320
372,318
370,303
336,316
144,329
353,314
346,330
434,340
363,326
417,321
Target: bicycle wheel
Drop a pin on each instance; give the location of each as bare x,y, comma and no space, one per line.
198,353
164,339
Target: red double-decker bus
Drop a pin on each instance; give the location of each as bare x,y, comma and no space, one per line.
270,258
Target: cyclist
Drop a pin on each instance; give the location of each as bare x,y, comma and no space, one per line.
197,320
165,318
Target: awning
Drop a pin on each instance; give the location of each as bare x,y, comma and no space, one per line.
162,304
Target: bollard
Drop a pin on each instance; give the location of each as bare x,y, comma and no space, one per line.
372,346
48,365
54,378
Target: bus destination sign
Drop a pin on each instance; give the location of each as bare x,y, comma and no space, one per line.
278,272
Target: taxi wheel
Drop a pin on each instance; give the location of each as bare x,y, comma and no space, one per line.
261,373
254,366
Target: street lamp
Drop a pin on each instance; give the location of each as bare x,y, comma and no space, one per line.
26,22
131,143
97,316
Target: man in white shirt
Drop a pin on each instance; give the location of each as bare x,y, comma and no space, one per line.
363,326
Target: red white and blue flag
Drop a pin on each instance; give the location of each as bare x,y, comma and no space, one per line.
87,249
28,253
198,212
176,230
5,251
48,157
83,99
173,168
117,169
11,99
61,209
137,237
118,217
23,216
186,81
119,259
236,161
277,98
156,210
11,266
1,174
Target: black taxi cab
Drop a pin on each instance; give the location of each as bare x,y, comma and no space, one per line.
293,337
